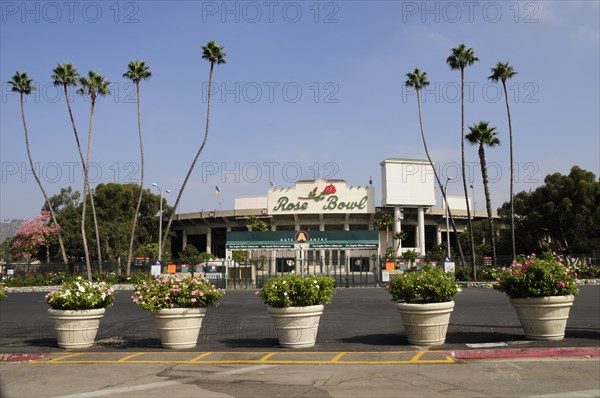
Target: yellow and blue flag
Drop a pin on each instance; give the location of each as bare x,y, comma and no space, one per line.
217,191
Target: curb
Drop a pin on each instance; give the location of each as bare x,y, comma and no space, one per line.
21,357
526,353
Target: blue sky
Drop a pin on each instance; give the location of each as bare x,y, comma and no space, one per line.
308,86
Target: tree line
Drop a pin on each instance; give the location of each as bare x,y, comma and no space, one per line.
94,86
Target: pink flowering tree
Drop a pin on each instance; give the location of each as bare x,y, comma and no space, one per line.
32,235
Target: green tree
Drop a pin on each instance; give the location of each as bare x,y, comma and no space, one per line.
214,54
21,83
483,135
190,255
503,72
137,71
418,80
93,86
460,58
562,215
255,224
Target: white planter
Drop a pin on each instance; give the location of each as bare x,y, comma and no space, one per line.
296,327
76,329
543,318
178,328
426,324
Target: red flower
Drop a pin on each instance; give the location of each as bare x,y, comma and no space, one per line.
329,189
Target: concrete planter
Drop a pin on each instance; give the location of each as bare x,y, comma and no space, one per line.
426,324
76,329
543,318
179,328
296,327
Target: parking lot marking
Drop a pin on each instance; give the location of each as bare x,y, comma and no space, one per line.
250,357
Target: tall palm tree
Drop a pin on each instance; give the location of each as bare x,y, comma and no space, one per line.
21,83
214,54
137,71
418,80
460,58
503,72
483,135
66,75
92,86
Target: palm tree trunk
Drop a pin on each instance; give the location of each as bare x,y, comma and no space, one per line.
512,170
437,177
488,202
84,168
464,176
137,208
189,173
37,179
97,231
86,188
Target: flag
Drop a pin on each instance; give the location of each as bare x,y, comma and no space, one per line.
217,191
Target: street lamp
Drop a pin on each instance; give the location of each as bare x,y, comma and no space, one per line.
160,212
473,195
447,225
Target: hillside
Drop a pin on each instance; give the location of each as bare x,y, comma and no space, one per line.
9,228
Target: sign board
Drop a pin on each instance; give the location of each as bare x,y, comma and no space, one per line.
407,182
321,197
10,272
449,266
389,266
289,239
171,268
385,276
155,269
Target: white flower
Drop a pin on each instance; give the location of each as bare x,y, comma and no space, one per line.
285,293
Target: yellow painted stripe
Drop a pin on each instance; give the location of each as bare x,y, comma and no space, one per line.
338,356
200,356
418,356
266,357
130,356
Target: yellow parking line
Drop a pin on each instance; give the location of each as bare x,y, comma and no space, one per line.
286,357
130,356
266,357
338,356
200,356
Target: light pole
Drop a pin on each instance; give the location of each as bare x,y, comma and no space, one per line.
473,195
447,225
160,212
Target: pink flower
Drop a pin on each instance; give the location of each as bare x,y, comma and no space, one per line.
257,293
135,300
562,284
175,288
201,294
193,299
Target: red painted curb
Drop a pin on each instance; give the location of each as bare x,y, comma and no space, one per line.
21,357
526,353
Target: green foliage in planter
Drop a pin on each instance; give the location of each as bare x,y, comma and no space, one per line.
296,291
3,292
427,286
80,294
537,277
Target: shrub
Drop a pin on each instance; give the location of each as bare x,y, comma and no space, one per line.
427,286
296,291
537,277
169,291
80,294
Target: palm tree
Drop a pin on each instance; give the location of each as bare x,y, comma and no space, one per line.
21,83
418,80
214,54
483,135
137,71
93,86
66,75
460,58
503,72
